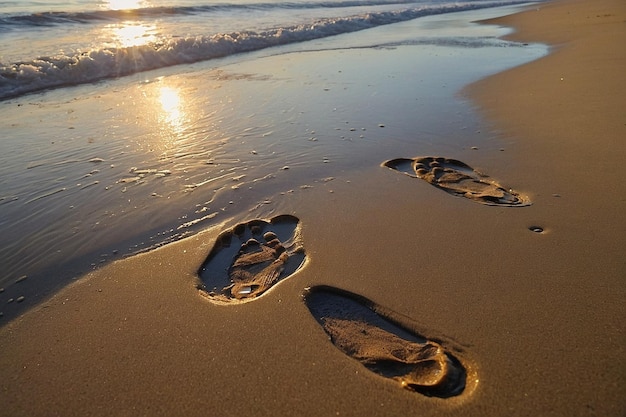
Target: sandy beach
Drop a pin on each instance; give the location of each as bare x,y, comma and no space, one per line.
527,301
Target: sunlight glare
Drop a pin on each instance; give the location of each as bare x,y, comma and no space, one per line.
171,105
124,4
132,34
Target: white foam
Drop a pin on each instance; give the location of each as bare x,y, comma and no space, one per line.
97,64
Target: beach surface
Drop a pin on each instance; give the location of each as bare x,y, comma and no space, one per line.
529,300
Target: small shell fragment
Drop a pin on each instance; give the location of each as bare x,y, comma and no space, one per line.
245,290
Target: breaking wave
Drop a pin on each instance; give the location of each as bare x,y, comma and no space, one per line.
84,67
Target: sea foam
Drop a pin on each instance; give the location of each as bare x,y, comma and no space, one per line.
47,72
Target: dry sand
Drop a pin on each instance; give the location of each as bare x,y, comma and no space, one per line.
539,317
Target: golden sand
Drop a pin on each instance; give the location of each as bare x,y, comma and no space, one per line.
540,316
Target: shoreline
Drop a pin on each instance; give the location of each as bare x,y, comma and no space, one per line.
241,120
135,337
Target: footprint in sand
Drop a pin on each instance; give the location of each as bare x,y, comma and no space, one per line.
251,258
459,179
374,336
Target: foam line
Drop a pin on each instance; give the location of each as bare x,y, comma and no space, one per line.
65,70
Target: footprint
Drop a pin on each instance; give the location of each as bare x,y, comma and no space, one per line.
251,258
374,336
459,179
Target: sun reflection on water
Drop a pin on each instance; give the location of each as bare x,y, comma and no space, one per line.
131,34
124,4
171,104
128,33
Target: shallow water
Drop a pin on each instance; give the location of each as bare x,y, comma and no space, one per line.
97,171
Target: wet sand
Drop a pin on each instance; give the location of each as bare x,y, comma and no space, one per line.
536,318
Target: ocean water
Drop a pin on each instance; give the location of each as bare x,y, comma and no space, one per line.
127,124
49,44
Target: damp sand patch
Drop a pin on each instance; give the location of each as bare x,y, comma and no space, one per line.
381,341
251,258
458,178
